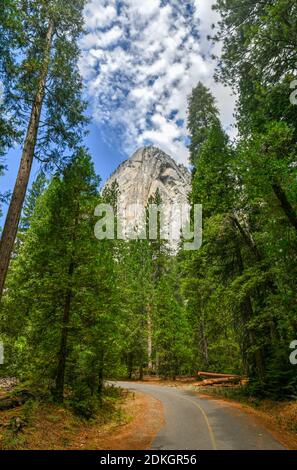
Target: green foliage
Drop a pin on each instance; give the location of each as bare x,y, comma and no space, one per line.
71,289
23,27
257,36
34,192
83,402
77,311
241,283
157,332
203,113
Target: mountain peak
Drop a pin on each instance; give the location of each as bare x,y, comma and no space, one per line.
149,151
150,169
147,171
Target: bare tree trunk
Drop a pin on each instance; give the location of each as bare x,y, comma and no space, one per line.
204,343
141,372
248,314
285,204
60,377
149,339
15,208
270,283
130,365
101,374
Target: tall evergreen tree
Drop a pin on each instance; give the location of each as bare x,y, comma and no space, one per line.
203,113
259,59
9,40
38,187
157,335
220,261
257,37
67,309
46,90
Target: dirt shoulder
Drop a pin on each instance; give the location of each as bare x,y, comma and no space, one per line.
145,420
133,425
280,419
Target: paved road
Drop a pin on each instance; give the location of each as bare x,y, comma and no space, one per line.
195,423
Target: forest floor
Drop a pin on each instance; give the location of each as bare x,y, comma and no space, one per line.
131,423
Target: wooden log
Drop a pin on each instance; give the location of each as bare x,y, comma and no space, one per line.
217,375
222,380
13,401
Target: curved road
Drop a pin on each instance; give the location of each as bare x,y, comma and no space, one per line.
195,423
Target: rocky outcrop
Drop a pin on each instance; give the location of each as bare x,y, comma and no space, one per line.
147,170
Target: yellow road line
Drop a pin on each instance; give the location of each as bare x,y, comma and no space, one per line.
211,433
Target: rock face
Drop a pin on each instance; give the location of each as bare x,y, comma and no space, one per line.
148,170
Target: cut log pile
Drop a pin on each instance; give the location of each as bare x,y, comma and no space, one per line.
213,378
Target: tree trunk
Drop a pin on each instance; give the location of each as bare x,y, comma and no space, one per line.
149,339
60,377
100,380
247,237
130,364
14,400
141,372
204,343
259,359
15,208
248,314
217,375
285,204
101,374
270,283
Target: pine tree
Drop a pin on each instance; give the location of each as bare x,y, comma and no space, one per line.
9,39
265,161
262,75
157,335
67,309
46,91
257,36
35,191
203,113
219,263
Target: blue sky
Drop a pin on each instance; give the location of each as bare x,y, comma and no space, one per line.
106,158
139,62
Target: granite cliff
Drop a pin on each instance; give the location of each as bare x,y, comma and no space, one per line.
150,169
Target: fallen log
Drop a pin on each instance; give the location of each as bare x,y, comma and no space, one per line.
224,380
13,401
217,375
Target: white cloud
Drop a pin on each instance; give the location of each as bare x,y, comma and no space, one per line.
98,41
100,14
140,61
